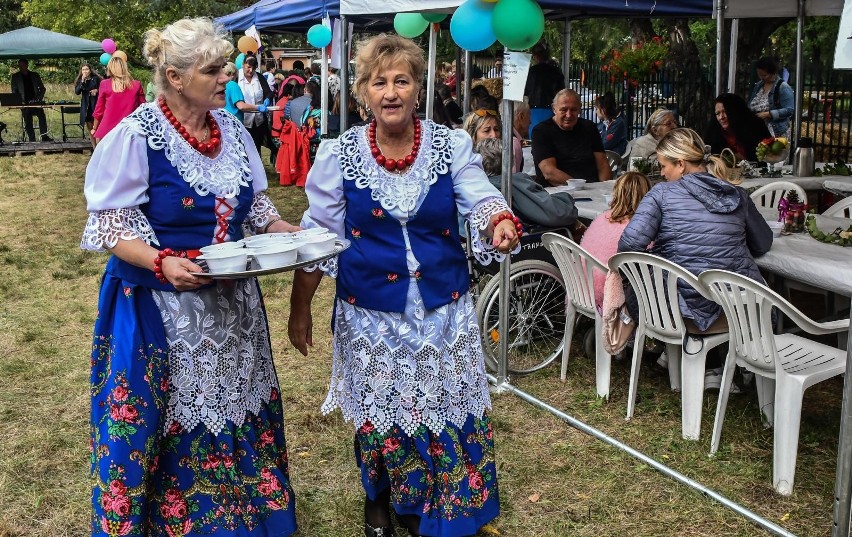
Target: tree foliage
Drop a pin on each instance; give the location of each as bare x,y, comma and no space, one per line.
125,21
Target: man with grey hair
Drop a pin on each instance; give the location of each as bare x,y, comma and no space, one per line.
568,146
530,201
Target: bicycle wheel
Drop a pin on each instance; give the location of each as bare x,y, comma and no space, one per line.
536,317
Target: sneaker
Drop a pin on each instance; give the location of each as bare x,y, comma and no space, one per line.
713,381
663,361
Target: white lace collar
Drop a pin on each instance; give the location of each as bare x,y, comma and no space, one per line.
222,175
392,189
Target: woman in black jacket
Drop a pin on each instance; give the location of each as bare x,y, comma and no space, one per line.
86,86
736,127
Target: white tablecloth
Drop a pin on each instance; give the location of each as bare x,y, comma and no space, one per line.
590,200
803,258
808,183
839,184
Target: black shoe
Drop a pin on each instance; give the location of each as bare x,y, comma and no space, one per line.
384,531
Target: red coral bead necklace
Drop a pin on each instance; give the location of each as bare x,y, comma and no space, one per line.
389,163
203,146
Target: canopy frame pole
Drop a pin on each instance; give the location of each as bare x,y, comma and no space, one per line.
566,50
800,74
324,94
843,477
430,81
466,81
720,42
732,56
344,74
508,110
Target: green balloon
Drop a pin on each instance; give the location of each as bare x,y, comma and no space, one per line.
409,24
434,17
518,24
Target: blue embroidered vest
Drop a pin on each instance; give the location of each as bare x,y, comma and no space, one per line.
181,218
372,273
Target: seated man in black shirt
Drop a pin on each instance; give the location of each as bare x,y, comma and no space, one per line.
568,146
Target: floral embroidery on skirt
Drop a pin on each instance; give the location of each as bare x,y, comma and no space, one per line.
447,479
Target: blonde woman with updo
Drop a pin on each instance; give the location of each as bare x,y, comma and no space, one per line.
186,422
482,124
700,219
118,96
601,238
407,364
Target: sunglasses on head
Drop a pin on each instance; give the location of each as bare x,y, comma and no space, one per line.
482,112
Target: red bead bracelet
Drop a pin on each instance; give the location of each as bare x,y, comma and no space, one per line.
519,228
158,263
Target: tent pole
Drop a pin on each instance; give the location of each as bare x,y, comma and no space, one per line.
458,87
344,74
732,56
506,265
720,40
800,75
467,70
566,49
324,93
430,81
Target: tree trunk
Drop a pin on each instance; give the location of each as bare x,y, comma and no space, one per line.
641,30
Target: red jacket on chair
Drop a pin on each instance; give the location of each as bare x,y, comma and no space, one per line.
293,160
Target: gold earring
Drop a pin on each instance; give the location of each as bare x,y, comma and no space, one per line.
180,90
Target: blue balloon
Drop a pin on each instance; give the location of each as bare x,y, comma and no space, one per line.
471,25
319,36
105,57
239,61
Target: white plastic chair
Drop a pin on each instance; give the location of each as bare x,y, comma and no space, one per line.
577,267
784,365
654,280
842,209
769,196
614,161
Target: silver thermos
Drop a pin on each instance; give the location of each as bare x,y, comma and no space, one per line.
803,161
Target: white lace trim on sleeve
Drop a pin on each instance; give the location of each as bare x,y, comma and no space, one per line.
262,210
329,267
105,228
480,217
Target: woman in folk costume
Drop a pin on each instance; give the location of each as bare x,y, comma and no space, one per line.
407,366
186,422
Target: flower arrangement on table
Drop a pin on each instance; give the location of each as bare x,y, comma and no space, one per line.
840,236
634,62
791,211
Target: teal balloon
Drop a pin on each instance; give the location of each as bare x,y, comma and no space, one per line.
434,17
319,36
471,25
239,61
518,24
105,57
409,24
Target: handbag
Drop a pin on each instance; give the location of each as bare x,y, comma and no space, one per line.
618,326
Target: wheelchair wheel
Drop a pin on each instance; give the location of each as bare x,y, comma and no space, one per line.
536,317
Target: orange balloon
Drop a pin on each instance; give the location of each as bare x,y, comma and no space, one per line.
247,44
120,54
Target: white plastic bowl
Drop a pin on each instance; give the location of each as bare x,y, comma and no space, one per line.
268,239
316,245
221,247
276,255
577,184
229,260
776,227
310,232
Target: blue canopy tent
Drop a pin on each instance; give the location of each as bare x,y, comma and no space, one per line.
280,16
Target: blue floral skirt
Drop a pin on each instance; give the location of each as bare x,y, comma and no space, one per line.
181,483
449,479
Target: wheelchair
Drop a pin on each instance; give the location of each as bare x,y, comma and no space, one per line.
536,305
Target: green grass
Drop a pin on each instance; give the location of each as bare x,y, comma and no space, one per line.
554,481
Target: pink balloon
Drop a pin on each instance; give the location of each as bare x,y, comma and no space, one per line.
108,45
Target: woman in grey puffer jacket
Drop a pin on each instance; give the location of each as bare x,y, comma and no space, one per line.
698,219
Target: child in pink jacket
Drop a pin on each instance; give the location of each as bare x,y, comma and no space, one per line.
601,239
